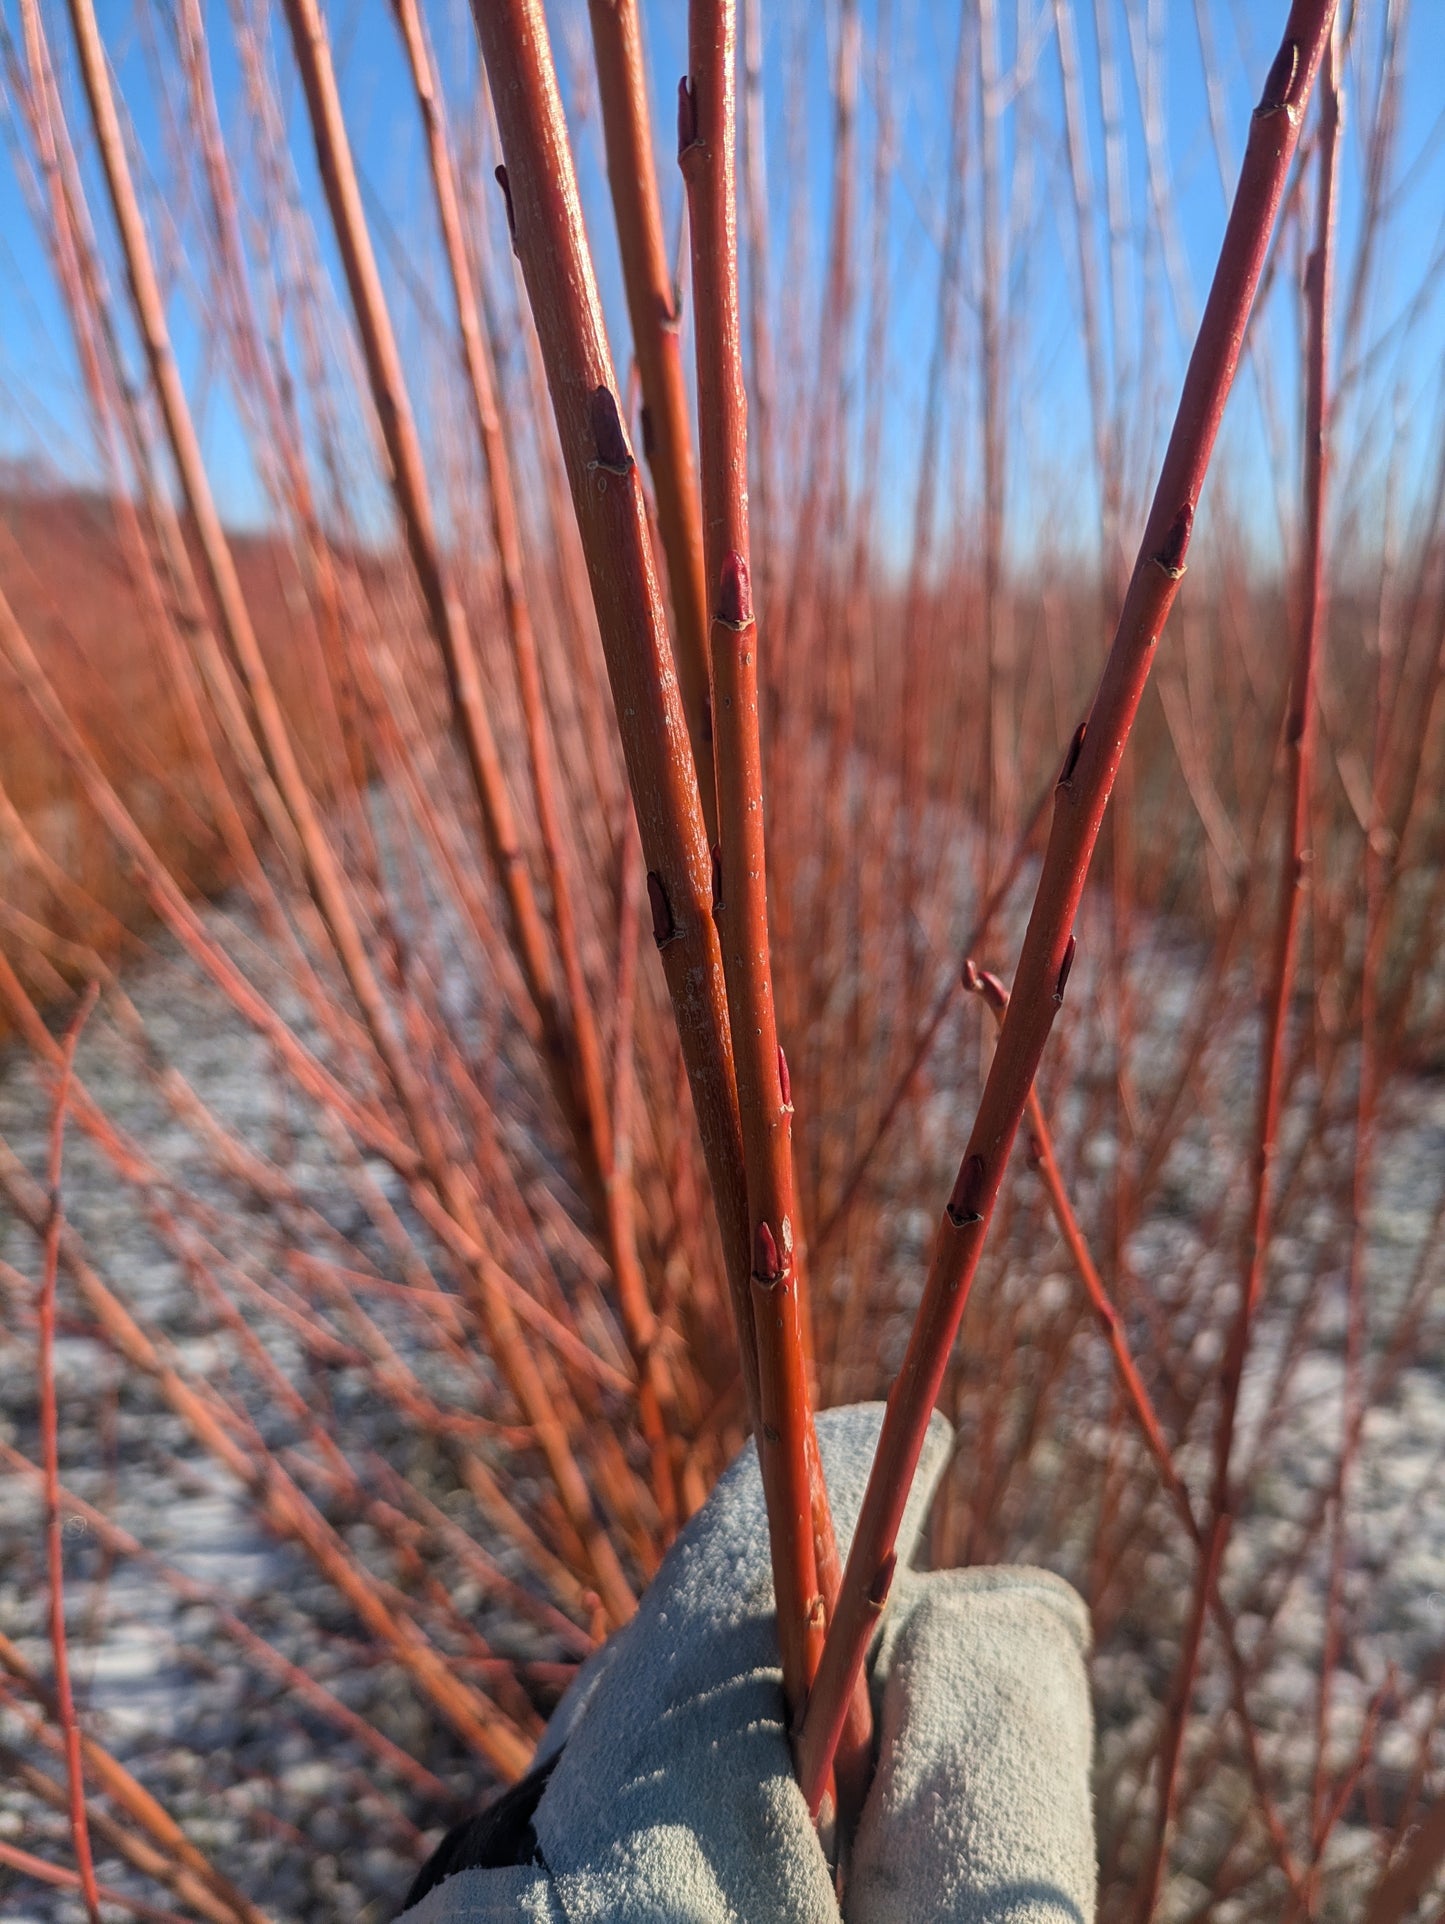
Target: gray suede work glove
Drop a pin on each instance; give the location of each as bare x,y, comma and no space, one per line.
671,1794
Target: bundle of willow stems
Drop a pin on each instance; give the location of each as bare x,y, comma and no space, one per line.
710,921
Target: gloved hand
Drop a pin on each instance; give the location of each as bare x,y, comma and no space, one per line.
671,1794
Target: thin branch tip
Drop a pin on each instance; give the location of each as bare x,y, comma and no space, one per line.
984,982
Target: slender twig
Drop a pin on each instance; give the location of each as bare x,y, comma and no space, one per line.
540,184
278,1497
590,1104
1141,1406
652,310
50,1441
413,497
1081,796
1045,1162
131,1796
706,153
930,1029
27,1864
280,441
1300,728
1319,291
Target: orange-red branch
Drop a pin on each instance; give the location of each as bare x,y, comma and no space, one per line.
1080,799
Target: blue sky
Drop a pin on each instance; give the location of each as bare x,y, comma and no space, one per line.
1394,409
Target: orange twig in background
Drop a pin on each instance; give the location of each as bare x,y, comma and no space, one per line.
1300,725
50,1438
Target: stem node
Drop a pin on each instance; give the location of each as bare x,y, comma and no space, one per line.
614,456
506,187
664,924
1279,82
735,593
1064,968
767,1262
687,135
882,1583
1170,558
1071,758
962,1207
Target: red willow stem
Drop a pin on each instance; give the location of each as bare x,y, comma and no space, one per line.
1319,290
755,195
50,1442
1080,798
591,1111
1300,721
291,1675
764,1101
182,1867
545,1409
280,1500
540,183
321,866
656,346
443,606
707,156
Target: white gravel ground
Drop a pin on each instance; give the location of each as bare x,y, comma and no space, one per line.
272,1790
